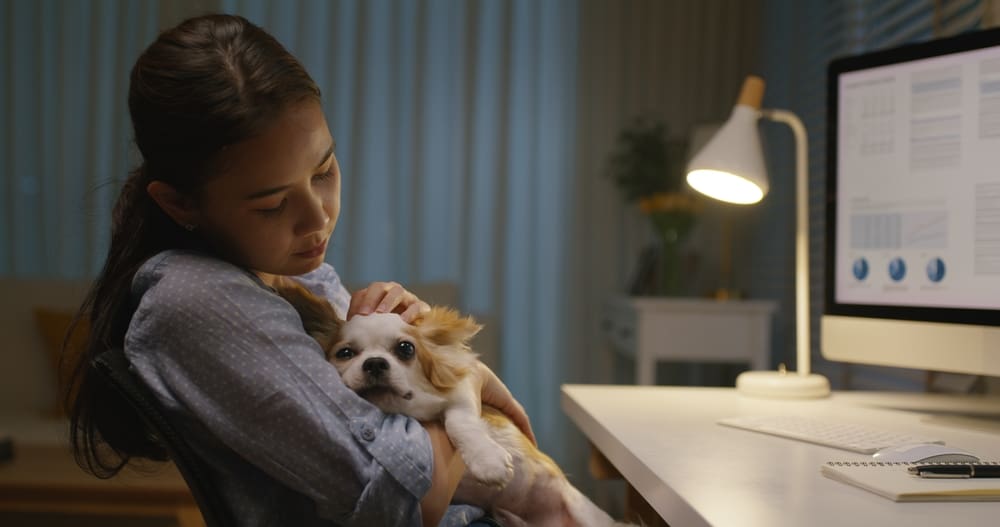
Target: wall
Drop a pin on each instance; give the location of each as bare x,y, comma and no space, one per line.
28,380
679,61
682,62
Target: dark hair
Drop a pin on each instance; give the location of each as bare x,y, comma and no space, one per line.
209,82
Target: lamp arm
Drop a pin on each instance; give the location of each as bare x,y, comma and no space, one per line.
802,342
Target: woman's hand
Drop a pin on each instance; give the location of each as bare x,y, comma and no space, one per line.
495,393
448,470
387,297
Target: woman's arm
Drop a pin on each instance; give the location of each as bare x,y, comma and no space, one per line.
233,358
448,470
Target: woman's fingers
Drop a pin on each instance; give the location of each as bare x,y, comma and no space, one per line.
365,301
496,394
414,311
394,296
386,297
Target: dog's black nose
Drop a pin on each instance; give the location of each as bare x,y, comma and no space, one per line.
375,366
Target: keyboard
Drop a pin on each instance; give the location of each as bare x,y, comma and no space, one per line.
845,436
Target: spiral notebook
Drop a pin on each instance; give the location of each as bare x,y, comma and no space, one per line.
893,481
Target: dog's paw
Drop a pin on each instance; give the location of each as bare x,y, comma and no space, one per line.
491,465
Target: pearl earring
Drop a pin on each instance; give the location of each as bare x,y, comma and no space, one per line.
189,227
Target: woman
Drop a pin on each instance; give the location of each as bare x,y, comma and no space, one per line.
239,184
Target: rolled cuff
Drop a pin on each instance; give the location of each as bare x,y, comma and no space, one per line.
402,464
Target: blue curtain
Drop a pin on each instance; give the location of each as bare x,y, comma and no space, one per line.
454,126
454,123
65,139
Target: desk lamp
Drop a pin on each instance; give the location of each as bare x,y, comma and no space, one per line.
730,167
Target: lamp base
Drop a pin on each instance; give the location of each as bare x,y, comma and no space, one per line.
782,385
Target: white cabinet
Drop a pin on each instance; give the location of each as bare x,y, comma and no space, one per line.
651,329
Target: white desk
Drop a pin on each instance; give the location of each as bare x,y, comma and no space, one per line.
652,329
665,442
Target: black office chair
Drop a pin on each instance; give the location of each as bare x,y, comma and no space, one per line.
114,366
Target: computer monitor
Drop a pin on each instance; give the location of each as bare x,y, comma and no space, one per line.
913,207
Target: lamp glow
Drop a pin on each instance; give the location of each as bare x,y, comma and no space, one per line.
725,186
730,168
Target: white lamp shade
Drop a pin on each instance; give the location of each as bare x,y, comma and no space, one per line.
731,165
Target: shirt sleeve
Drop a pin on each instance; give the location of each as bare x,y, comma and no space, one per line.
461,516
325,282
214,344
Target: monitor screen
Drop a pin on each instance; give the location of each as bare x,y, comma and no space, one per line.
913,206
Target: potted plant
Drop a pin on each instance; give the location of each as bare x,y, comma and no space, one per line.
648,167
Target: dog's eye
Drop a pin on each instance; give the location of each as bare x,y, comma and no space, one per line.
405,350
344,354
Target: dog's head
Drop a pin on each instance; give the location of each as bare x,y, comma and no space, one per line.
398,366
388,361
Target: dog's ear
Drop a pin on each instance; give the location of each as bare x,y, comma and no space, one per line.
447,358
318,317
446,327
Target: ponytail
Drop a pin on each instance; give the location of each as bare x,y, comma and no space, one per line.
104,429
210,82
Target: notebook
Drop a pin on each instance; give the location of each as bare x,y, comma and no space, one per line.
893,481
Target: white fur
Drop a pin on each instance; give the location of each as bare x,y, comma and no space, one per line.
506,475
409,392
373,336
486,461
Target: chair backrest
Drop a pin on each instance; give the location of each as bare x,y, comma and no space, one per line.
115,368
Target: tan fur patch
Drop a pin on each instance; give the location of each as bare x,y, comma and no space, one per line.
318,317
442,337
497,419
446,327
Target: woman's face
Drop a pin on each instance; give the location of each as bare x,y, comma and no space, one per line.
275,203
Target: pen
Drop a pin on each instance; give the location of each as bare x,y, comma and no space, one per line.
958,470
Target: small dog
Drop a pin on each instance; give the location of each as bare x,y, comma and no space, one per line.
422,370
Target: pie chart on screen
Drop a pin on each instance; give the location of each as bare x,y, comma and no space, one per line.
935,269
860,269
897,269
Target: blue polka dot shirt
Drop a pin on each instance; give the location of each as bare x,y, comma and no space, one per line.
287,442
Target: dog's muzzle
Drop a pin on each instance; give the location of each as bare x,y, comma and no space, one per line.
375,367
376,370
